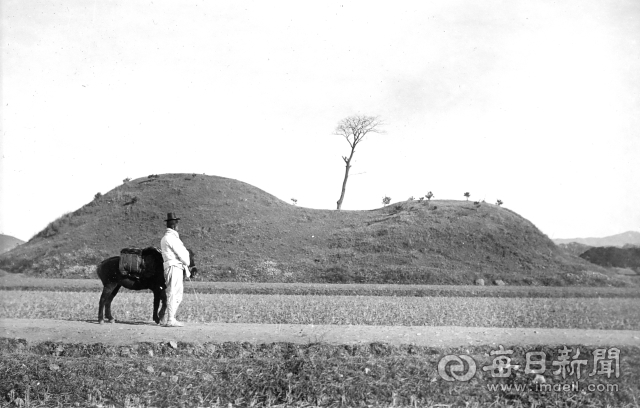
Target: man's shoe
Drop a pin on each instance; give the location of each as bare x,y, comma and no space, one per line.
174,323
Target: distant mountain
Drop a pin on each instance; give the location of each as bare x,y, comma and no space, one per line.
7,243
619,240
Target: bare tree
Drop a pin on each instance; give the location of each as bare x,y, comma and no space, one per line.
354,129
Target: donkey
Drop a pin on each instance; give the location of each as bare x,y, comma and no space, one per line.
153,279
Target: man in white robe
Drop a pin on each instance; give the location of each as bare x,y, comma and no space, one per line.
176,264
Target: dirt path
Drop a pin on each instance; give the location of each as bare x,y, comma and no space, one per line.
39,330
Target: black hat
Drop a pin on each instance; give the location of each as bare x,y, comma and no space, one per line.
171,217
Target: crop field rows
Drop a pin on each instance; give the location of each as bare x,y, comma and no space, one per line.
239,373
11,282
579,313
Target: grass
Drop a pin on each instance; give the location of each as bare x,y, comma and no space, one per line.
580,313
20,282
282,374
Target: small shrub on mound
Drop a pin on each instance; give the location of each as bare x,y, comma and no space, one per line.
270,270
337,274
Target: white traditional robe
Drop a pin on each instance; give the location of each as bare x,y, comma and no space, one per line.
176,260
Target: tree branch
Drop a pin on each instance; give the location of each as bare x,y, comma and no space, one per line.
355,127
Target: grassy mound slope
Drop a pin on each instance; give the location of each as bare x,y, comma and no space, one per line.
241,233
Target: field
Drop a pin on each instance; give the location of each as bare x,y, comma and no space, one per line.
21,282
579,313
283,374
312,373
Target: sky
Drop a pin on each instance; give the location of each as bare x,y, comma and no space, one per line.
533,103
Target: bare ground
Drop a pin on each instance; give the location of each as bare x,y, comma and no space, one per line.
122,333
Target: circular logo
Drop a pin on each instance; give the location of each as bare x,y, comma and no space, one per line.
456,368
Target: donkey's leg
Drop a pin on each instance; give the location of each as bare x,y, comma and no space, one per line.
104,298
163,299
108,304
156,304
